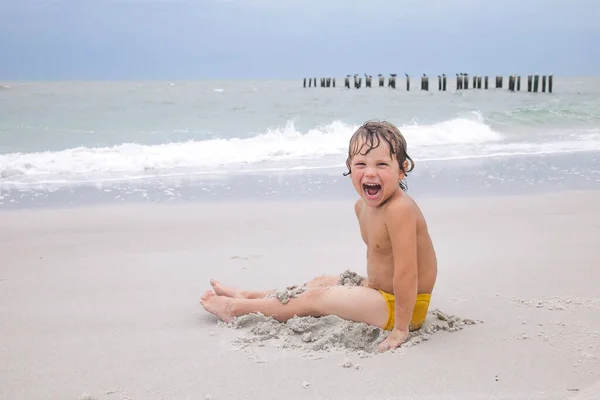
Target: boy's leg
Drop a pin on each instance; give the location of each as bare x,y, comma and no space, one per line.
221,290
354,303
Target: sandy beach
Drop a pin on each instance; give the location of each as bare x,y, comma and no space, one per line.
103,302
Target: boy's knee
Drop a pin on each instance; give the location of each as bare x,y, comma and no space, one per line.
324,280
312,299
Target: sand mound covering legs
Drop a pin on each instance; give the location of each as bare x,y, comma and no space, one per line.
331,333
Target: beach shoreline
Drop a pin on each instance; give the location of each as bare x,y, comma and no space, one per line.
103,300
502,176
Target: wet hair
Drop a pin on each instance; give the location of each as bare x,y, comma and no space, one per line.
370,134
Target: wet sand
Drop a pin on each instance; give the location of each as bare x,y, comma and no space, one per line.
103,301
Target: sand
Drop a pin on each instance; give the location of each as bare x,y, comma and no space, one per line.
103,302
316,336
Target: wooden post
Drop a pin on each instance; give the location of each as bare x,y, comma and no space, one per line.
511,83
407,82
304,82
475,82
536,80
333,82
529,83
459,82
519,83
347,81
486,82
439,83
444,82
392,81
424,82
381,80
357,81
544,84
466,82
549,83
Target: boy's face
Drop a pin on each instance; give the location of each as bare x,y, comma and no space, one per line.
375,176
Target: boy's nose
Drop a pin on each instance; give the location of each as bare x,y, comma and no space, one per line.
370,171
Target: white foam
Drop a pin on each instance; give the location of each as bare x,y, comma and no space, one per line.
470,130
283,148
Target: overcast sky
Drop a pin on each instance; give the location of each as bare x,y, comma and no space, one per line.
238,39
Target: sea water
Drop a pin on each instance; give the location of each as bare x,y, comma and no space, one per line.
81,142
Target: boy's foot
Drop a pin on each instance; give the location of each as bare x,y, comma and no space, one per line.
217,305
226,290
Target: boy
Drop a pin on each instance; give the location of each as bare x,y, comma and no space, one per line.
401,261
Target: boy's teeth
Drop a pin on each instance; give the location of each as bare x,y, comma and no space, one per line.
371,189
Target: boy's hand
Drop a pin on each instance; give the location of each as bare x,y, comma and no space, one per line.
395,338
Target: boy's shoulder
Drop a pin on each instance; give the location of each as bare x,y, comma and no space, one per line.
401,208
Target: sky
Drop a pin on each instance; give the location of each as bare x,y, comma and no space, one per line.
291,39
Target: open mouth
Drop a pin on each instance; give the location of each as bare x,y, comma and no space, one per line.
371,189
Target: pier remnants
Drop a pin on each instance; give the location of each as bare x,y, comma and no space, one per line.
324,82
535,83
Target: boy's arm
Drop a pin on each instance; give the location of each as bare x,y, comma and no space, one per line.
357,208
401,224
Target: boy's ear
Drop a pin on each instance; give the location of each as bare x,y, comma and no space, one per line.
402,174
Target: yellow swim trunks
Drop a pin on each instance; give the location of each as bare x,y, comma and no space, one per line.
419,312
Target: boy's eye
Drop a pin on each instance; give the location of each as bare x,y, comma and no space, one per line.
359,164
382,163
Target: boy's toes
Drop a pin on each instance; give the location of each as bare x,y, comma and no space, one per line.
207,295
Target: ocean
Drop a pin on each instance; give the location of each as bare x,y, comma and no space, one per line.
88,142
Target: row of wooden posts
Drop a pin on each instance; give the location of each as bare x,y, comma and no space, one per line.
462,82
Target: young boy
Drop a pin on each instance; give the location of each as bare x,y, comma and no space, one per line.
401,261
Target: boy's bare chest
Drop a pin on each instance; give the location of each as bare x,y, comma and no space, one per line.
374,234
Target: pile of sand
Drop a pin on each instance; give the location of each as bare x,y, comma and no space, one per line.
317,335
284,295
